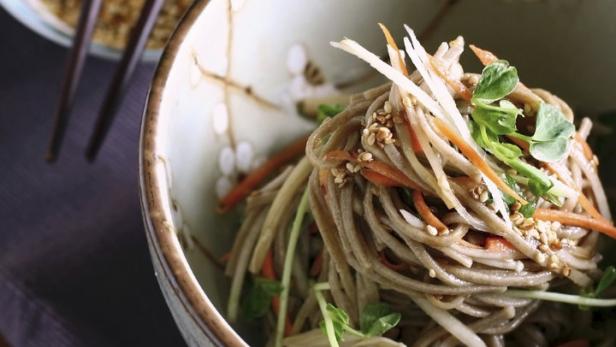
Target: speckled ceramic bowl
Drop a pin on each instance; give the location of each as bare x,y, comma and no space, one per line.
225,92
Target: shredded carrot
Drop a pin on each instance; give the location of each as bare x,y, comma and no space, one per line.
485,57
415,145
392,173
575,219
588,207
389,264
426,214
458,87
225,257
576,343
582,199
389,173
392,43
269,272
250,182
585,147
317,265
476,159
378,179
497,244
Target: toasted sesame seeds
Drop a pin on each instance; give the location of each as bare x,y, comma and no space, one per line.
387,107
432,273
365,157
384,135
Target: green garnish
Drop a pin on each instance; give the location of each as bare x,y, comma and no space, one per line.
494,116
552,134
327,111
552,130
560,297
497,81
302,209
608,278
584,301
378,318
375,319
528,210
259,297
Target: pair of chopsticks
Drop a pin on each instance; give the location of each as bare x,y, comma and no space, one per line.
121,79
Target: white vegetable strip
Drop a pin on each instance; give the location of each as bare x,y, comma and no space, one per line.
419,57
458,329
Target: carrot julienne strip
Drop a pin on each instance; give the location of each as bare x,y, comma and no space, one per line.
269,272
426,214
390,41
575,219
250,182
476,159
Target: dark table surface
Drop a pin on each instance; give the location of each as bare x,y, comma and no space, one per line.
74,264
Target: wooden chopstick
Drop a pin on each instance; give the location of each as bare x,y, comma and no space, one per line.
122,76
74,67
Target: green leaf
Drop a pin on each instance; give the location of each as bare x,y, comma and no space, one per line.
501,119
510,181
539,183
608,278
328,110
552,134
529,209
497,81
551,124
378,318
550,151
259,298
340,320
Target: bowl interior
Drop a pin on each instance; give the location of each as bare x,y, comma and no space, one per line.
231,93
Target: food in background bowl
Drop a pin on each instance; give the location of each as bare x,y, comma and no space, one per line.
445,207
117,18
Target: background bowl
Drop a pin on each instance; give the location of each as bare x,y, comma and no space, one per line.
44,23
225,91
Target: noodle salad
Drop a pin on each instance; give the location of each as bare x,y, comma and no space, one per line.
443,208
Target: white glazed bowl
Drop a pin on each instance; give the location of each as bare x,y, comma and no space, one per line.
223,99
38,19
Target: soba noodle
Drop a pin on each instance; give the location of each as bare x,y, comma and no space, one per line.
403,214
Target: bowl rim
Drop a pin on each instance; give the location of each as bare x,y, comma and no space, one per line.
173,262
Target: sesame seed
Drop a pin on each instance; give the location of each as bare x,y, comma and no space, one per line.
365,157
540,258
432,273
387,107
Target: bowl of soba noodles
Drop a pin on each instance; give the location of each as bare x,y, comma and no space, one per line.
400,173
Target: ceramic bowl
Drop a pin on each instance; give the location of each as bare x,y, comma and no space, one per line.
226,88
38,19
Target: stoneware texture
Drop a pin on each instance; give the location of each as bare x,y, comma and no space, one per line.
225,92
